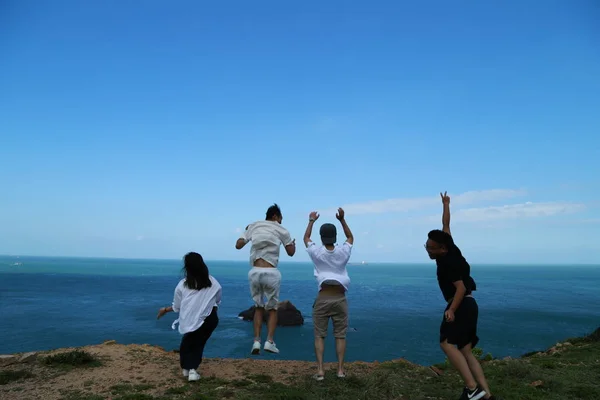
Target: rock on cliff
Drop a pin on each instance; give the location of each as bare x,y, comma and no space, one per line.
287,315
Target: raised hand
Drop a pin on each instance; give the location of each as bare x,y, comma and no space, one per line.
446,212
445,198
340,214
313,216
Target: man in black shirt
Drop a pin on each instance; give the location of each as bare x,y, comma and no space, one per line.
458,331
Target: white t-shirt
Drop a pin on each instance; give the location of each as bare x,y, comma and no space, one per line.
194,306
266,237
330,265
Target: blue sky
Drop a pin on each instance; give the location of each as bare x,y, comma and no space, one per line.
149,129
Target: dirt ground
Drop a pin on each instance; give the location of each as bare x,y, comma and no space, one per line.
144,365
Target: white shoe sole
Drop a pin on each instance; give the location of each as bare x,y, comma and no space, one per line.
267,349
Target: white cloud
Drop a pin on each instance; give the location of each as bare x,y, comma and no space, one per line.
380,246
238,230
514,211
590,221
473,197
139,238
411,204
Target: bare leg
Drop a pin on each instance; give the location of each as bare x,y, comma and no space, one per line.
459,362
476,369
319,350
340,349
272,324
258,321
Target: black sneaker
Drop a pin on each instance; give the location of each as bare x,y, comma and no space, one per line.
474,394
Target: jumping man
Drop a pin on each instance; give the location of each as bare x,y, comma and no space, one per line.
458,331
264,277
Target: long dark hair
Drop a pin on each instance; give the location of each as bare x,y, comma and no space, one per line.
196,272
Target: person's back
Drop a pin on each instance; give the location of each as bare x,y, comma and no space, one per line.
330,262
458,329
196,299
264,277
196,305
330,265
267,238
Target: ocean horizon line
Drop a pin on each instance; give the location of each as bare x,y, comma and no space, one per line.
351,263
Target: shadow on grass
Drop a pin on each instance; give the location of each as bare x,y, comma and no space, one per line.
7,377
72,359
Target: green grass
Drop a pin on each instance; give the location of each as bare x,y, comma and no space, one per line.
79,395
260,378
177,390
126,388
72,359
570,374
7,377
136,396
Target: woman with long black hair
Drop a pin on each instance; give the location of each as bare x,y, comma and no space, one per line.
196,299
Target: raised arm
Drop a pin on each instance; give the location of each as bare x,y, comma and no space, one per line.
446,213
311,222
341,216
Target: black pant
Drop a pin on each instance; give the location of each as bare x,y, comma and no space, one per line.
192,343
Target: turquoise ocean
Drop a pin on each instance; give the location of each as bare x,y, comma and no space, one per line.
395,309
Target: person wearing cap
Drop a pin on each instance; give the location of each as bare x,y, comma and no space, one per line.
330,262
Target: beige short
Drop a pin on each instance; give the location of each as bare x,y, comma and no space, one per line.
264,287
334,306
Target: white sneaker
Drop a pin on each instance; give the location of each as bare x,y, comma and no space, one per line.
256,347
271,348
193,375
186,373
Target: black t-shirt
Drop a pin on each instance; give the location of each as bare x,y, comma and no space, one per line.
451,268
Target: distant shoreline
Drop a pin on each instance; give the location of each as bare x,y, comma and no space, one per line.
284,262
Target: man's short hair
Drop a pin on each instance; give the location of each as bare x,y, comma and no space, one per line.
273,211
441,237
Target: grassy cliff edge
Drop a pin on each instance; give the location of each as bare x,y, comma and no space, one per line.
111,371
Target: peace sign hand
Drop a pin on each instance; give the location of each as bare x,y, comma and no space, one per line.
445,198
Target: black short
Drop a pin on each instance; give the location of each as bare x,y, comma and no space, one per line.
463,330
